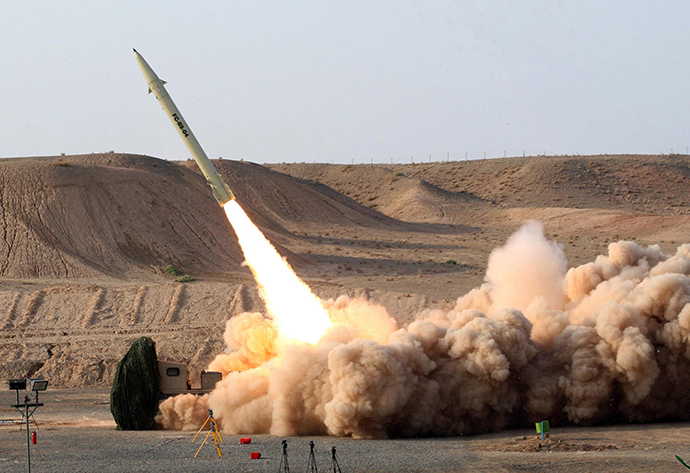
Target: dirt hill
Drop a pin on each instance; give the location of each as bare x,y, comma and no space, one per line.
292,203
649,184
84,240
644,184
126,216
389,190
115,215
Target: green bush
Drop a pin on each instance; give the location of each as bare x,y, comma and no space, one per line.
170,269
185,278
451,261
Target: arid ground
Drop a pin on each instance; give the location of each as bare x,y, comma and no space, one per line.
77,433
84,241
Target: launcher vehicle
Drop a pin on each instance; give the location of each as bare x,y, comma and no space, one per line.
174,379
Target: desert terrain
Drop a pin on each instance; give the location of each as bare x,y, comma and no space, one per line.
85,240
76,433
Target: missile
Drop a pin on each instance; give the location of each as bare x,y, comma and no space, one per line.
221,191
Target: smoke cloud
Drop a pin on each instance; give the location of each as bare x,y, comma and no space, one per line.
605,341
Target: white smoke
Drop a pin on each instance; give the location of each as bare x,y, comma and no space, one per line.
608,340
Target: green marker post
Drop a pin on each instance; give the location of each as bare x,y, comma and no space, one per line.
542,428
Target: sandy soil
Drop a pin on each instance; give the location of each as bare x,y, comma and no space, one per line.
76,433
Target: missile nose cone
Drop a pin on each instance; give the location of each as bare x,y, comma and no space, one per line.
145,68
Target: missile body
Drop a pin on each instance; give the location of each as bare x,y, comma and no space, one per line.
221,192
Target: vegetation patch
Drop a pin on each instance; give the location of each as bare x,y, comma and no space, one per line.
185,278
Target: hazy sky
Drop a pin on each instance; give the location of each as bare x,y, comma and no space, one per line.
321,81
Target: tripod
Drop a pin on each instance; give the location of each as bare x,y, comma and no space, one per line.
284,467
31,414
334,463
311,464
214,430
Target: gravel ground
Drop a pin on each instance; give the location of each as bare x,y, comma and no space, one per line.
76,433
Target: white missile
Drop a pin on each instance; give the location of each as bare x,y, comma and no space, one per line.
221,192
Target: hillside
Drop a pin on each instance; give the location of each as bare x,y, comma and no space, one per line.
389,190
645,184
125,216
649,184
108,216
292,203
84,240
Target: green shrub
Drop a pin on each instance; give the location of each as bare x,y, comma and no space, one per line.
451,261
170,269
185,278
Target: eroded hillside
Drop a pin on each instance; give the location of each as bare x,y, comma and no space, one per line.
84,241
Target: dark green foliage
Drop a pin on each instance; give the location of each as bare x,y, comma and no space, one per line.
134,395
185,278
170,269
451,261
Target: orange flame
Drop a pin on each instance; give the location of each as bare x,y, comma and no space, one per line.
289,301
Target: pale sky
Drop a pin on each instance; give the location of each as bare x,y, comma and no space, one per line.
347,81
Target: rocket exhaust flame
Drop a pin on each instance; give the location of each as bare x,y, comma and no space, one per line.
298,313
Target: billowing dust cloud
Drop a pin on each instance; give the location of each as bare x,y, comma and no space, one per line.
605,341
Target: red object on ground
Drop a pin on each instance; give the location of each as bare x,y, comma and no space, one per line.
245,440
255,455
33,437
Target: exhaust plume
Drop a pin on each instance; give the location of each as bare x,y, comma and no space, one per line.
297,312
604,341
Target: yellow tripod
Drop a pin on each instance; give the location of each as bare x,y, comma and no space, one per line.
214,430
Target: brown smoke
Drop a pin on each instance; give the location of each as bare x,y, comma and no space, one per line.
605,341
